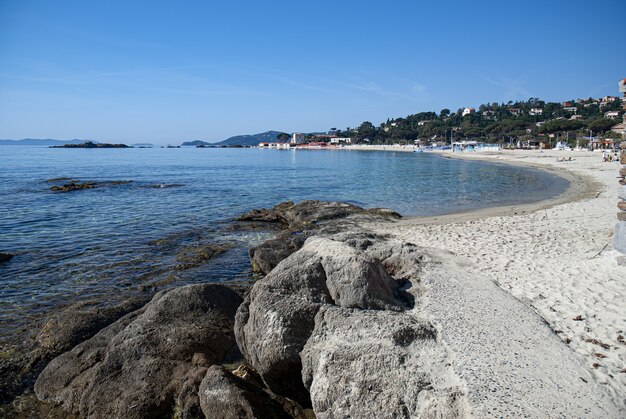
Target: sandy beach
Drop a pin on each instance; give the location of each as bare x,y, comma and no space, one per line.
554,256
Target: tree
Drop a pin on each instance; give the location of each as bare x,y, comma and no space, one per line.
444,113
366,130
601,125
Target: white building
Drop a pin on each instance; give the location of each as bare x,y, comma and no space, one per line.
573,109
611,114
468,111
535,111
338,140
297,138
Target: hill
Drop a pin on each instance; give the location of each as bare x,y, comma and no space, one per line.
194,143
251,140
42,142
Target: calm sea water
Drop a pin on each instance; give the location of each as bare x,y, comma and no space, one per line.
101,243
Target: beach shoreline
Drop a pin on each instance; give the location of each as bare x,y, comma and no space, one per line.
555,255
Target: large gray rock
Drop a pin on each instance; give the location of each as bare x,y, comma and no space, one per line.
360,363
151,361
226,396
80,321
277,318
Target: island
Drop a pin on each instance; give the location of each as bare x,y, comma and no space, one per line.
91,144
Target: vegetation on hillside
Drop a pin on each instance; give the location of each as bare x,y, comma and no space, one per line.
498,123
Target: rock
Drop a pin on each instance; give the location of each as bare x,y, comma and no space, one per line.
301,221
309,212
5,257
20,367
194,256
619,237
224,396
147,363
276,319
76,185
270,253
358,363
80,322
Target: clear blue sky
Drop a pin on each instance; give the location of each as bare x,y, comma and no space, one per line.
164,72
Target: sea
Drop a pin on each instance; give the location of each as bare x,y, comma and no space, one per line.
155,204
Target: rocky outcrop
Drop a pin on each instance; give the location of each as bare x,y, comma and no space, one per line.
278,317
80,322
359,363
76,185
151,361
303,220
223,395
4,257
309,213
193,256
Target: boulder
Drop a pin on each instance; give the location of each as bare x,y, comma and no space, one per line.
80,322
270,253
300,221
4,257
358,363
148,363
223,395
277,318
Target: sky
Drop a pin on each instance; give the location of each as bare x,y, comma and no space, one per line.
166,72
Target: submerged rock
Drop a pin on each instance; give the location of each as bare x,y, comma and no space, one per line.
76,185
151,361
194,256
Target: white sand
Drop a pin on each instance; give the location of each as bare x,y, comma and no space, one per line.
555,256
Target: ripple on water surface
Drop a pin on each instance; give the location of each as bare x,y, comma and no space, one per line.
98,243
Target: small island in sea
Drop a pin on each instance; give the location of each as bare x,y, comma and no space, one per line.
91,144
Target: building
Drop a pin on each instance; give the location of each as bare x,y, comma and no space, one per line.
515,111
468,111
535,111
621,127
297,138
489,115
567,104
572,109
278,146
575,117
611,114
338,140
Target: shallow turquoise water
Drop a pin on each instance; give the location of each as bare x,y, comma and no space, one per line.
97,243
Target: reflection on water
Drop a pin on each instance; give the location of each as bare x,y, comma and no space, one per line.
99,243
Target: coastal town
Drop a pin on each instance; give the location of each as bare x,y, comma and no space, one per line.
592,123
